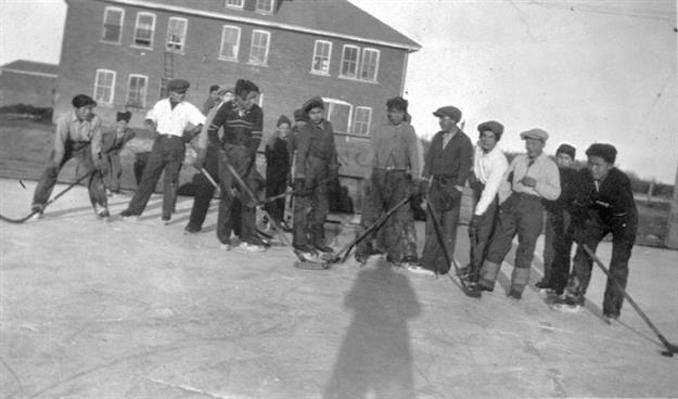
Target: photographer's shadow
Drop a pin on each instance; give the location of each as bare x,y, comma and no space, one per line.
375,359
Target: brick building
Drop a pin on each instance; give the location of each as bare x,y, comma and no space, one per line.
28,82
123,52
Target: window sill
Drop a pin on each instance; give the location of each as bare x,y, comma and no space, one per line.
374,82
265,65
319,73
351,136
180,52
227,59
136,46
107,42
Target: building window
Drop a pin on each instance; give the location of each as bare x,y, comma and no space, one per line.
322,52
339,113
259,48
176,34
265,6
104,85
144,29
349,61
370,64
113,18
361,122
230,43
234,3
136,91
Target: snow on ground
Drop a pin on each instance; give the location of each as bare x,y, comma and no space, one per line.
112,309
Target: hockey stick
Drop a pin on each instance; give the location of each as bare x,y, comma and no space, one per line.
314,265
441,241
340,257
62,192
295,192
670,348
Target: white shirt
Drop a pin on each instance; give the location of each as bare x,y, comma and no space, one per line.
174,121
489,168
542,169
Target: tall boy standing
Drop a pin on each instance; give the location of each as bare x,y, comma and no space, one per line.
395,163
169,117
446,168
316,163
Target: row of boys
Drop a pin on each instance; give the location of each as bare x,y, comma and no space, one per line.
509,197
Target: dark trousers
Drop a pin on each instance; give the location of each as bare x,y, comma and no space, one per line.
114,171
166,154
522,215
82,152
276,185
398,236
480,237
557,248
237,211
445,200
204,189
623,231
311,210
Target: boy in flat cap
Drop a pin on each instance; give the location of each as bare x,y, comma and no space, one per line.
278,168
316,163
242,121
489,165
207,148
446,168
603,204
78,135
557,237
530,178
395,164
170,118
113,142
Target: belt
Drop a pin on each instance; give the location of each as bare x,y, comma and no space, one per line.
527,196
169,136
392,168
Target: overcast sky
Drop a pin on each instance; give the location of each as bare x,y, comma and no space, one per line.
585,71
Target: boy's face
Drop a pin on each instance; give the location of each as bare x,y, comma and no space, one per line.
226,97
248,100
487,140
396,116
446,123
84,113
215,95
564,160
316,114
177,97
284,130
534,147
598,167
122,124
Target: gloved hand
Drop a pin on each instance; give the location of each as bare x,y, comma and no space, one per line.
423,187
199,162
475,222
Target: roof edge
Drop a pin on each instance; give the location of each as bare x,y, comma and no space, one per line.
259,22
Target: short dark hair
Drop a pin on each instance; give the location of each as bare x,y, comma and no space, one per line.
397,103
214,88
83,100
244,87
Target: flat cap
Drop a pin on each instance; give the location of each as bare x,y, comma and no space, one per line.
315,102
299,115
566,149
452,112
605,151
493,126
83,100
536,134
283,119
178,85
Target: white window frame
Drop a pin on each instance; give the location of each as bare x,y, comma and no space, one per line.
236,50
362,64
103,25
263,10
331,102
320,43
229,4
97,84
136,27
183,36
143,94
343,59
268,46
355,121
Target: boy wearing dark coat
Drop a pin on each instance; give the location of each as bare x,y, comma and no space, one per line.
113,142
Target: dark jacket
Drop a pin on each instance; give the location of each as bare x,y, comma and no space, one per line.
277,160
316,151
112,144
454,161
568,183
612,199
